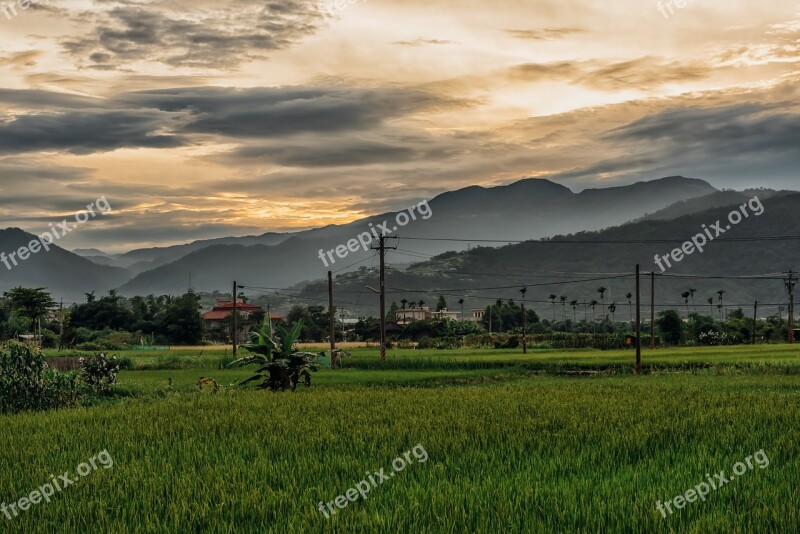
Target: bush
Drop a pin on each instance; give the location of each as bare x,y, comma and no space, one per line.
26,383
99,372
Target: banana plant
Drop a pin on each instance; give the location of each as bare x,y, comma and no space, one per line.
281,366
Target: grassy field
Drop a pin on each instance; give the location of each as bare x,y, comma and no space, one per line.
549,441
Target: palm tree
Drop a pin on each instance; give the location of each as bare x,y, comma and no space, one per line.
404,302
602,290
692,291
711,305
629,296
593,304
564,306
685,296
553,300
613,308
574,304
721,306
421,304
461,303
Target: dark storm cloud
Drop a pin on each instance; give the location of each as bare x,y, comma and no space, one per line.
85,132
740,143
278,112
719,131
219,38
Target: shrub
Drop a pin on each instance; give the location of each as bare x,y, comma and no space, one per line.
26,383
99,372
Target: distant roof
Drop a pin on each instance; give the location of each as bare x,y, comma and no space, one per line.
218,315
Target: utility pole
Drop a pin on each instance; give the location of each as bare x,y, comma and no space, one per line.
332,320
524,322
638,321
790,289
235,326
382,253
61,325
755,315
652,310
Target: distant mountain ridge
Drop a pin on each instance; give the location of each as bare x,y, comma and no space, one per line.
524,210
527,209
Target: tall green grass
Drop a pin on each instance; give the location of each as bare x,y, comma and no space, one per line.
537,454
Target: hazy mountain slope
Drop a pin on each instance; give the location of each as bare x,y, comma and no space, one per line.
534,264
707,202
64,273
140,260
528,209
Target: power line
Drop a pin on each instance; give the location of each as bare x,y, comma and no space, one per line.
600,241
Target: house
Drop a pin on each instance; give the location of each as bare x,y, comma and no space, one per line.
224,308
420,314
476,315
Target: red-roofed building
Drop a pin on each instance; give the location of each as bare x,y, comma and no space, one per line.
224,308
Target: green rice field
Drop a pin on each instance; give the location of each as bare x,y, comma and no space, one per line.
551,441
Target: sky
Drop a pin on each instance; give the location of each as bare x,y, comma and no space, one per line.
198,119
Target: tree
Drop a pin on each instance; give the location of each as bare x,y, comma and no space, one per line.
182,322
574,304
441,304
685,295
593,304
403,303
30,303
392,313
711,305
564,306
602,290
613,308
629,296
721,306
281,366
670,325
692,291
553,300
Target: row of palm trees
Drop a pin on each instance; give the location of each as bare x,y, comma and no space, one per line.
612,308
686,295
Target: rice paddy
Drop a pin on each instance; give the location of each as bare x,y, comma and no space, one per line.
549,441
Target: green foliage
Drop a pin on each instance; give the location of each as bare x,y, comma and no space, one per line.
26,383
99,372
670,324
280,366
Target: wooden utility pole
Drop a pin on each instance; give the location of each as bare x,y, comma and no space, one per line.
235,326
332,320
382,254
790,288
652,310
524,322
755,318
638,321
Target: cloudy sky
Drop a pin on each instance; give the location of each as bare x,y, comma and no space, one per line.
199,118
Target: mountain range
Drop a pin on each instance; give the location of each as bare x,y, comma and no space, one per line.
525,210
